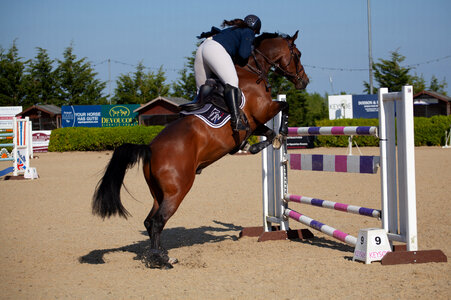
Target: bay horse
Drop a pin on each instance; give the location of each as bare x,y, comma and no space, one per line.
187,145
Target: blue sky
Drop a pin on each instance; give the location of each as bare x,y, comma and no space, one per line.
333,34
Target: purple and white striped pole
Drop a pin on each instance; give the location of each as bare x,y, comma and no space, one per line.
370,212
330,231
335,130
334,163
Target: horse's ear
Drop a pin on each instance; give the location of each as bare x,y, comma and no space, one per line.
295,36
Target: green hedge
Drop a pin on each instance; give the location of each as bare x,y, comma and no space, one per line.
428,132
97,139
431,131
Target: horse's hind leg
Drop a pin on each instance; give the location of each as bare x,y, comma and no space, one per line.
168,197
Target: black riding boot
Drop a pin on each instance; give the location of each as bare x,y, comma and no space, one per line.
232,97
199,101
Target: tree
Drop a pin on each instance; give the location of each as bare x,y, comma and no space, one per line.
41,83
389,73
77,84
140,87
12,89
185,86
296,99
438,87
317,109
418,83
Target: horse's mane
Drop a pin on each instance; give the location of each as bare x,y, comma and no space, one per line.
268,35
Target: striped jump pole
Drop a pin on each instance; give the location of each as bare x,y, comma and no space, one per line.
334,163
334,130
326,229
353,209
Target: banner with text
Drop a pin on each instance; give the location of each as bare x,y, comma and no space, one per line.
353,107
99,115
7,113
365,107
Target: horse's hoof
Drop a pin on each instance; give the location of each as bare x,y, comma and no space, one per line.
157,259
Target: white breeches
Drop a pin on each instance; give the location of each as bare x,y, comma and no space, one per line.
212,58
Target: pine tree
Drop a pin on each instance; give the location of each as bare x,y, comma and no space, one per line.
390,74
41,80
185,86
77,84
140,87
12,87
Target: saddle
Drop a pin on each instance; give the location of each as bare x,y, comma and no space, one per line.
210,92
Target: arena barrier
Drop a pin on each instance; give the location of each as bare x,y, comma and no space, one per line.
22,150
396,191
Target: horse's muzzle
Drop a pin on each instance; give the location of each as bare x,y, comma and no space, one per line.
302,82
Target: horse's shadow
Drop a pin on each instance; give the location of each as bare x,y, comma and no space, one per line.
326,243
172,238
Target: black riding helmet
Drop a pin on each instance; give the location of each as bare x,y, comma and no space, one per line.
254,23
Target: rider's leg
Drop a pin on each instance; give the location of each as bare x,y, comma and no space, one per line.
220,63
232,97
201,69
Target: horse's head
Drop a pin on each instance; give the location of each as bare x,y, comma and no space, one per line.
280,53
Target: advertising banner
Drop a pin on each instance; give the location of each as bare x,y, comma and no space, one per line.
81,116
40,140
6,116
99,115
340,107
353,107
119,115
365,107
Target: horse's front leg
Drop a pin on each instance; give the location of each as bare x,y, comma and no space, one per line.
284,121
283,130
262,130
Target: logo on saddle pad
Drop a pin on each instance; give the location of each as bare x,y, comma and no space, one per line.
213,116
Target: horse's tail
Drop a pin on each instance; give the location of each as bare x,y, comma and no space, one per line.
106,201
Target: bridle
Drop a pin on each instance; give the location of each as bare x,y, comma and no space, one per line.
282,70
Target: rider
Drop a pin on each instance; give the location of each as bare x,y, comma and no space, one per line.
218,54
